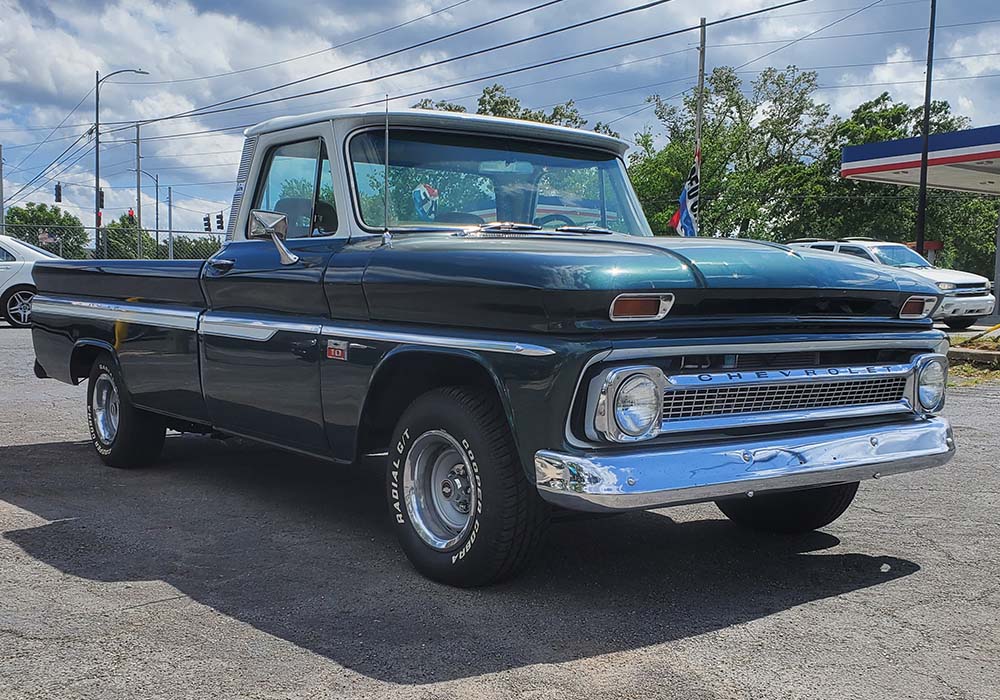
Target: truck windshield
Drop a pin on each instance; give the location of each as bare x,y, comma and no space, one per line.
899,256
460,180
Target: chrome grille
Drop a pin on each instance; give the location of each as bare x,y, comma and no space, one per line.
683,404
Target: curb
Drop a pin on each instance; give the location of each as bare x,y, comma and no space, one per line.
976,357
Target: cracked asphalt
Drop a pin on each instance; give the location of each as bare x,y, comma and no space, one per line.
233,571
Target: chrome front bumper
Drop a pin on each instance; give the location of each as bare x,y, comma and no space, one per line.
667,475
952,306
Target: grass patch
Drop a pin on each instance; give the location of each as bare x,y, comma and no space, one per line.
965,374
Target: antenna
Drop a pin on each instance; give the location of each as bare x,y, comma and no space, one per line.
386,236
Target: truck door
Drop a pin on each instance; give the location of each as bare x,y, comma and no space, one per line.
261,333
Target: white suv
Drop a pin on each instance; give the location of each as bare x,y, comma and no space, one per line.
967,296
17,287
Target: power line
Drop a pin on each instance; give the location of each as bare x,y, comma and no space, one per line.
68,115
301,56
554,61
43,170
769,53
372,59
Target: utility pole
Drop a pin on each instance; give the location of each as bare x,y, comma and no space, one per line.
138,195
97,164
926,134
700,115
3,209
170,223
698,119
156,181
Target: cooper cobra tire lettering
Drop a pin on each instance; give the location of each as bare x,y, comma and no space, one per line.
479,505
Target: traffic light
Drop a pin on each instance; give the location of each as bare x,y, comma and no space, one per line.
58,191
131,215
100,199
208,223
218,221
99,217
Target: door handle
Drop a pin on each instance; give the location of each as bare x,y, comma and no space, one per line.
221,264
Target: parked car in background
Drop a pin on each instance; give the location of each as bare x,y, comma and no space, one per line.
17,288
967,297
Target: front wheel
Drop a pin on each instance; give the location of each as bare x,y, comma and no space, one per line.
464,512
16,306
123,435
961,323
790,512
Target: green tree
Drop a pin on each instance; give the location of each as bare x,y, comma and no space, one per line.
754,144
122,235
495,101
61,232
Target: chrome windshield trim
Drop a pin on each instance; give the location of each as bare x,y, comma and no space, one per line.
440,341
251,328
128,312
666,475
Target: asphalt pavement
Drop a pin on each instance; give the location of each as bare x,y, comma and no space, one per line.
234,571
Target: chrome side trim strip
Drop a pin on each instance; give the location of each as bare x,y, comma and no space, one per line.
249,328
440,341
639,479
129,312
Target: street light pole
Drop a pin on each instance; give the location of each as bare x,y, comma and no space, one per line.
97,146
156,183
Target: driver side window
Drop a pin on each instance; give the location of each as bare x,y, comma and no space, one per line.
298,184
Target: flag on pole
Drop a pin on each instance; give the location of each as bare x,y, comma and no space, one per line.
685,219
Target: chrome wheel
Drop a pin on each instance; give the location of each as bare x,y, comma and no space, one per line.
438,486
105,408
19,307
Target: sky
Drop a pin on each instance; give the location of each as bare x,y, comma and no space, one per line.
202,52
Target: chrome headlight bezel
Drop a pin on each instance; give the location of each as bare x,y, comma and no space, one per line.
932,401
603,423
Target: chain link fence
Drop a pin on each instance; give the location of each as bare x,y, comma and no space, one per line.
117,242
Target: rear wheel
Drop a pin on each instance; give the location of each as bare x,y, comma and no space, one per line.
961,323
16,306
123,435
790,512
464,512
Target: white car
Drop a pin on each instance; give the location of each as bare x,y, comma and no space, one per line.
17,287
966,296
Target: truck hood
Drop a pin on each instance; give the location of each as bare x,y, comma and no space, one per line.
550,282
936,274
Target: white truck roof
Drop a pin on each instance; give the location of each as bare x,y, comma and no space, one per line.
448,120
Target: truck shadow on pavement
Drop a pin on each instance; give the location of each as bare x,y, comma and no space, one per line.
302,550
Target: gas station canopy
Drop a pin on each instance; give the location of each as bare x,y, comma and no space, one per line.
966,161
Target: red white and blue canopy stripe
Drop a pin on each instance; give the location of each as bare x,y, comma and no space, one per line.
965,161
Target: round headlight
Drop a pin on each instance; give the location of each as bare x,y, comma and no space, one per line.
931,385
637,405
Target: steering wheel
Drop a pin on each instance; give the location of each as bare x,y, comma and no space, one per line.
549,218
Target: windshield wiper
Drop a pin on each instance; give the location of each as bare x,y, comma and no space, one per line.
495,226
584,229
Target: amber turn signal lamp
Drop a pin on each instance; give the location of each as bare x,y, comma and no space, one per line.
641,307
917,307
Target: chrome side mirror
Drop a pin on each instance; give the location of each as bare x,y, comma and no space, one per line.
273,225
